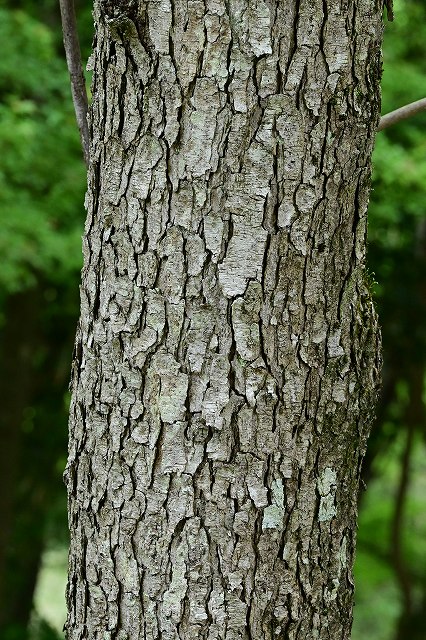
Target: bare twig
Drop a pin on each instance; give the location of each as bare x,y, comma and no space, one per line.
401,114
78,86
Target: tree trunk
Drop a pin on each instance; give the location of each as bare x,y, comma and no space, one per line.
227,356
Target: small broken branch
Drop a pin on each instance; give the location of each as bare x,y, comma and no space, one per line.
78,85
402,114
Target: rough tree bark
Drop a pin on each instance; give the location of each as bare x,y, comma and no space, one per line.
227,356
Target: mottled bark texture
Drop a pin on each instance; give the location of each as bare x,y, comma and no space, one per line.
226,359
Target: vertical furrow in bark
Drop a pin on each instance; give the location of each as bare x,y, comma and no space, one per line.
229,347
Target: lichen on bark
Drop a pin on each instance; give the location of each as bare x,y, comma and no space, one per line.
228,346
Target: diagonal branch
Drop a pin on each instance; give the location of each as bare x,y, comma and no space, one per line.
402,113
78,86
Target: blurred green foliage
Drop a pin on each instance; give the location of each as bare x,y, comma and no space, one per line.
378,599
41,174
398,190
42,630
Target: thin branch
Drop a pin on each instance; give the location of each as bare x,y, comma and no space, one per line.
401,114
78,85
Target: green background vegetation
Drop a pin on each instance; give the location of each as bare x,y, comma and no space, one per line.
42,184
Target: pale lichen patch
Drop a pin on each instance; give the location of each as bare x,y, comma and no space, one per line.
340,391
259,27
217,395
173,387
160,21
175,594
334,348
274,514
326,485
244,258
245,321
173,458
